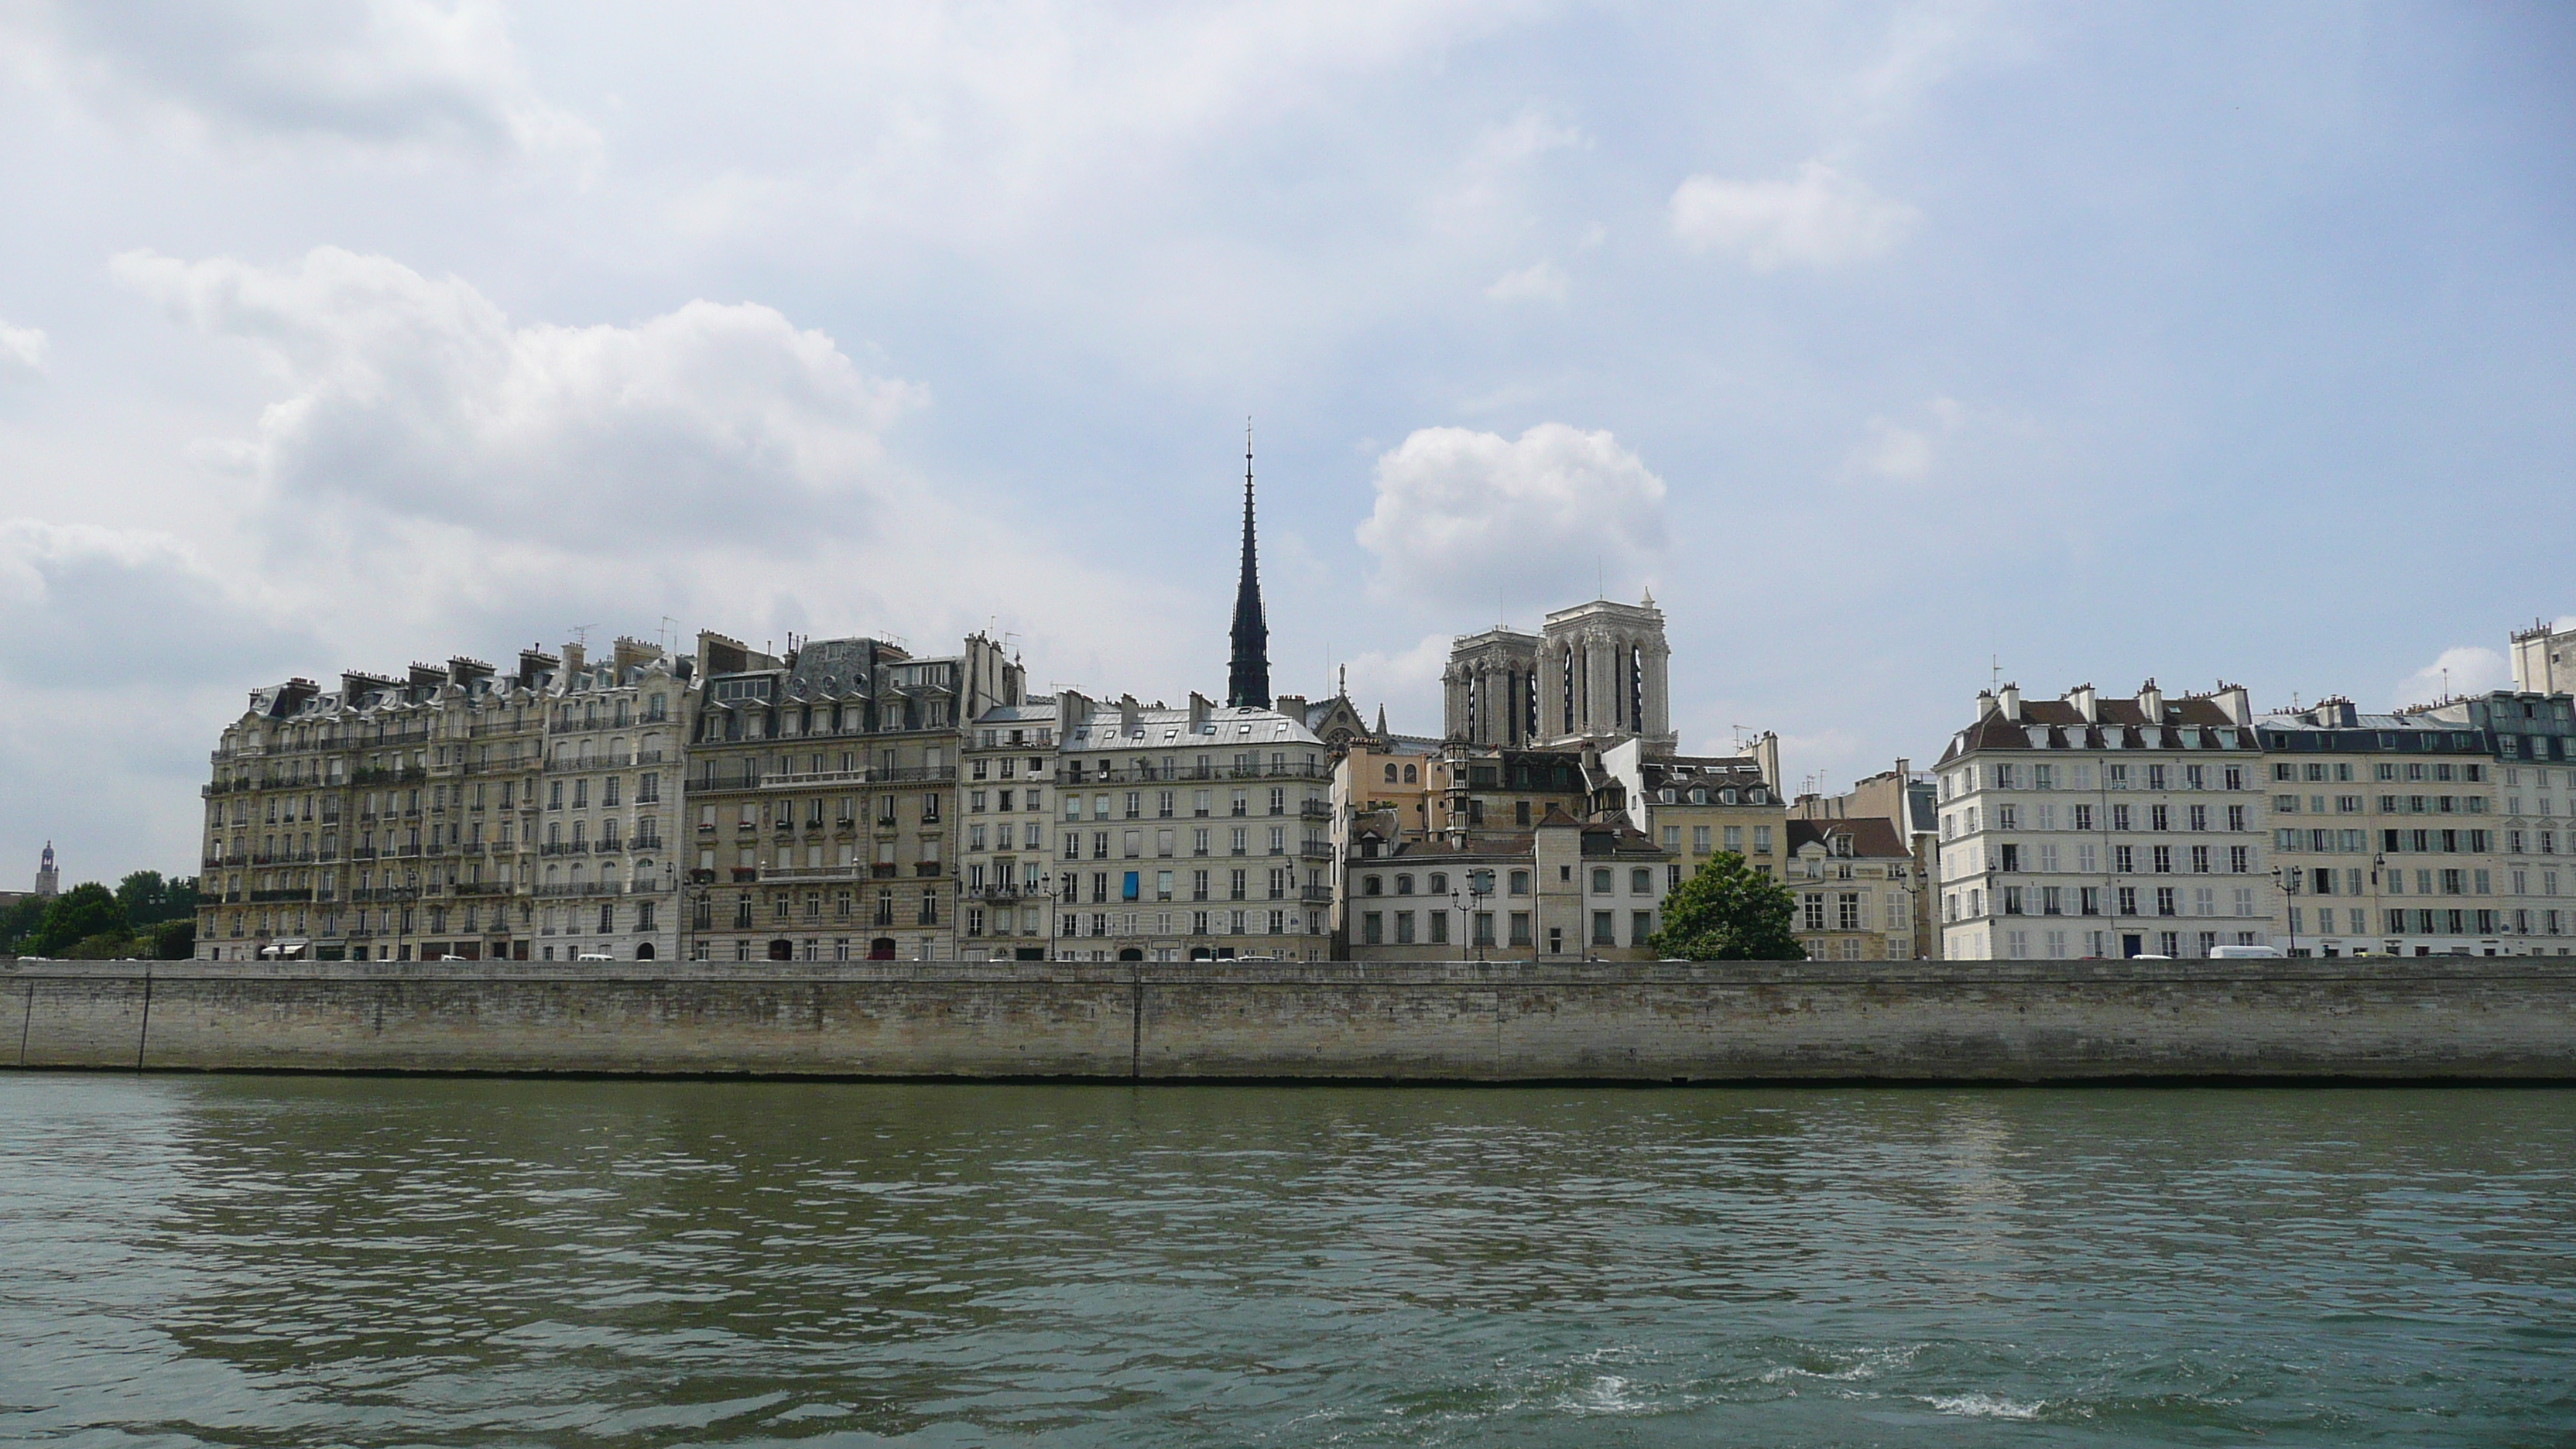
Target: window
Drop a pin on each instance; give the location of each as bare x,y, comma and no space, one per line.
1604,932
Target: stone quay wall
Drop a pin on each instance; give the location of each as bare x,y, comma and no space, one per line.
2485,1018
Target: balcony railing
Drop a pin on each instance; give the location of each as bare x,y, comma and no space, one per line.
852,871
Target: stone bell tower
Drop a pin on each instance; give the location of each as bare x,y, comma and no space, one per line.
49,881
1604,677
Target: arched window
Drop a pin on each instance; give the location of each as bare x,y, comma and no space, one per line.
1439,883
1390,774
1409,777
1404,885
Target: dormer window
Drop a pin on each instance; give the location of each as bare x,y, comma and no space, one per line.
1726,797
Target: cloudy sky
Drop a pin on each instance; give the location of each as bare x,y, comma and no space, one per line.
1883,342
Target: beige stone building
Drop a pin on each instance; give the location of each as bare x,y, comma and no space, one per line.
386,820
823,786
1007,878
1854,886
606,885
1563,890
1696,807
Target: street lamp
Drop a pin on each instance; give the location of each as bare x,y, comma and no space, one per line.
1480,888
2288,912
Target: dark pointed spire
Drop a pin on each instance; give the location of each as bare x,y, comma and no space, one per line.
1248,678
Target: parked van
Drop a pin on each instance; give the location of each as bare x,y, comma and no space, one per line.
2232,953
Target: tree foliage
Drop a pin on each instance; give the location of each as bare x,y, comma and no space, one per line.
84,911
145,916
1729,912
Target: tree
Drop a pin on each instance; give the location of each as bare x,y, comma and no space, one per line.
77,914
1729,912
20,923
171,940
139,895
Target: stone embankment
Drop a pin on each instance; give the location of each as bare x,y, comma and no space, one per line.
2485,1018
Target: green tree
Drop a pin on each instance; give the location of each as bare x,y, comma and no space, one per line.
20,923
171,940
1729,912
86,910
139,895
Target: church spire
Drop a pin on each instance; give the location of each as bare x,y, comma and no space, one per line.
1248,678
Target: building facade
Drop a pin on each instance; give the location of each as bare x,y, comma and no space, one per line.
1190,834
1007,880
1696,807
2103,827
606,885
1562,890
387,820
1855,888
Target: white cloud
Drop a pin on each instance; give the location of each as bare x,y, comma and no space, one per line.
402,74
2467,669
419,397
22,349
1823,218
1542,281
1463,516
82,604
1904,452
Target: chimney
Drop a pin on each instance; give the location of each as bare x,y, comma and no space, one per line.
1200,705
1766,753
1072,712
534,666
572,658
466,671
2086,703
627,653
2240,706
1985,703
1129,715
2151,702
2011,702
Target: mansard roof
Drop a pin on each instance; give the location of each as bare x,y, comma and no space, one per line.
1868,835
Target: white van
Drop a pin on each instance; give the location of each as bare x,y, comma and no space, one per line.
2235,953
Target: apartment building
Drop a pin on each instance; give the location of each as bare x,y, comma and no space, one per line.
1563,890
2100,827
2533,738
1006,877
823,783
606,885
1697,806
385,820
1909,801
1854,885
1196,833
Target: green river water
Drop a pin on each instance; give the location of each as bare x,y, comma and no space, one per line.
384,1261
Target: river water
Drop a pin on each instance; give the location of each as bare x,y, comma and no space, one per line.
377,1261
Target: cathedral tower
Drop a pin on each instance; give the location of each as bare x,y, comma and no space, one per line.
48,880
1247,680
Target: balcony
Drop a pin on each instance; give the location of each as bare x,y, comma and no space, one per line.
1315,850
1314,810
1315,895
852,871
581,888
578,847
265,897
880,775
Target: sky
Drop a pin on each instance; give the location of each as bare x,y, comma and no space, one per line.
1896,348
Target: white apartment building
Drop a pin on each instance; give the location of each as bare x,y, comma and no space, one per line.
2103,827
1189,834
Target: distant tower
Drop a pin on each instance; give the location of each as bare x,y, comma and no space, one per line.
1247,681
48,880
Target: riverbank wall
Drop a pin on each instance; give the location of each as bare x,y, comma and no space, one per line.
2482,1018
